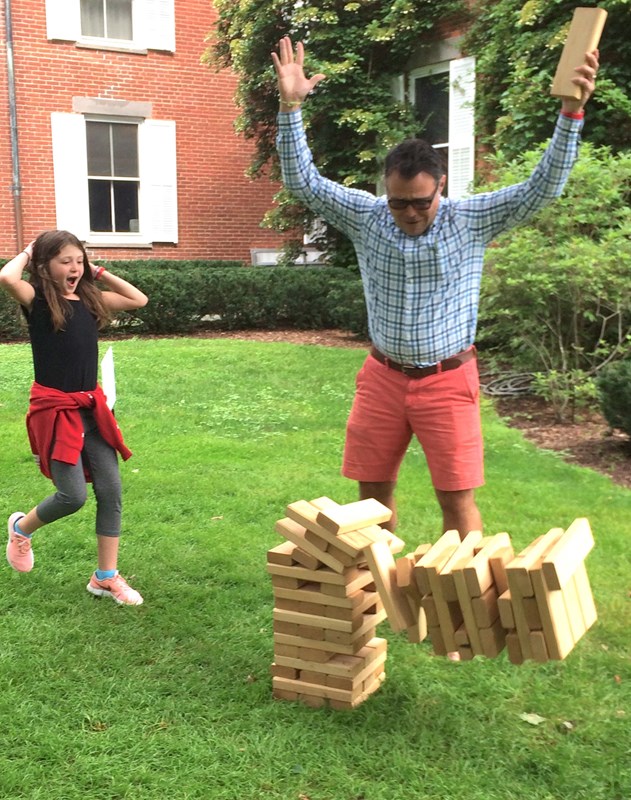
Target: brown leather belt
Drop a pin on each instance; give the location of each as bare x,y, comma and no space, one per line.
453,362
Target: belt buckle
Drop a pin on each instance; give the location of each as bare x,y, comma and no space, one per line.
409,372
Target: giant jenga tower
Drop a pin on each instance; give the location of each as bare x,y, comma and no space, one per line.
326,604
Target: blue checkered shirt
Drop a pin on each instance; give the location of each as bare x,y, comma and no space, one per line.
422,292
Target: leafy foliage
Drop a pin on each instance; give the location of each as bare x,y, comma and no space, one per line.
517,46
194,295
614,388
557,296
353,116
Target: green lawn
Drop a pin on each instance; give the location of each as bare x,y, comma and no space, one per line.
173,699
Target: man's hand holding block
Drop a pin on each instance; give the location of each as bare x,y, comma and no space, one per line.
583,37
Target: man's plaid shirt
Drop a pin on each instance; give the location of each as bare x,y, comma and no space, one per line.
422,292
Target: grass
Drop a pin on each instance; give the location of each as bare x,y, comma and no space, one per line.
173,699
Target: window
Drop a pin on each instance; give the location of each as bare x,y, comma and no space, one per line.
115,179
106,19
115,24
442,95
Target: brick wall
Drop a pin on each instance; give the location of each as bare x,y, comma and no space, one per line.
219,208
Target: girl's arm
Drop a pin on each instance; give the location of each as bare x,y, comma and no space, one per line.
11,278
122,295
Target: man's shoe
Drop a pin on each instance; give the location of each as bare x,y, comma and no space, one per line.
117,588
19,552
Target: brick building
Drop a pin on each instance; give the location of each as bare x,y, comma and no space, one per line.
114,130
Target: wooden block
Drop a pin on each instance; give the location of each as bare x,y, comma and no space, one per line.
449,613
562,560
554,621
281,582
279,671
311,593
531,613
515,655
518,570
323,575
311,701
359,579
436,638
429,607
383,569
305,559
297,534
505,608
478,573
573,609
352,516
311,620
585,597
538,647
306,514
436,557
466,609
317,690
458,560
422,549
339,664
585,31
498,564
485,608
282,554
493,639
521,626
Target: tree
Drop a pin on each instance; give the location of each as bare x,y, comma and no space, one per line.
353,116
517,46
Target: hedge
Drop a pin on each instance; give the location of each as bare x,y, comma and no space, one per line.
189,296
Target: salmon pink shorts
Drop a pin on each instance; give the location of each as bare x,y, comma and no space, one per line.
441,410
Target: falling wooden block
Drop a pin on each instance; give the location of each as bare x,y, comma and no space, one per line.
383,569
478,573
296,533
461,556
518,571
585,31
436,556
352,516
562,560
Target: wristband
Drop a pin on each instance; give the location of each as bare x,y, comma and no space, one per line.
573,114
291,103
98,272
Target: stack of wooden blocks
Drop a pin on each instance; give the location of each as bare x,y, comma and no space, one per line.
326,606
477,597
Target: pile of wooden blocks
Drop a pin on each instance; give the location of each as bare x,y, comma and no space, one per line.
326,604
477,597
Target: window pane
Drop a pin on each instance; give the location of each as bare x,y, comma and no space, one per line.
126,206
119,19
92,18
98,145
431,99
125,147
100,205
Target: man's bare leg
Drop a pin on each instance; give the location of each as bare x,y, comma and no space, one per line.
383,491
460,511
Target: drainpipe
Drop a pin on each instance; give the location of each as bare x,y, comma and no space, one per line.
16,188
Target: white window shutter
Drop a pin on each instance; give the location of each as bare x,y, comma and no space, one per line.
70,167
154,24
461,126
158,180
63,20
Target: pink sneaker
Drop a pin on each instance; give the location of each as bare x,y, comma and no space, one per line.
19,552
117,588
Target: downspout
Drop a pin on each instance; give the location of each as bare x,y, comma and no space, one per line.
16,188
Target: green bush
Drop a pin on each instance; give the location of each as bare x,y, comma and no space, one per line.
556,294
195,295
614,390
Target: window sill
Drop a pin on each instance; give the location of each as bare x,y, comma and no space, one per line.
117,47
103,241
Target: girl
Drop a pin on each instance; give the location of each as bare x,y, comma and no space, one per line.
72,432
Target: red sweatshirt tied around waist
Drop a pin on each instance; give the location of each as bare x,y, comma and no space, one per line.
55,427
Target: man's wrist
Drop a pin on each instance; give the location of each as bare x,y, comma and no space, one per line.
289,105
573,114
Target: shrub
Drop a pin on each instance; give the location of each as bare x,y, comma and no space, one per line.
614,389
195,295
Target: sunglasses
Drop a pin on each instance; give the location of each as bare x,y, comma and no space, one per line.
417,203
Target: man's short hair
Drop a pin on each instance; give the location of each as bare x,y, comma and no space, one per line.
412,156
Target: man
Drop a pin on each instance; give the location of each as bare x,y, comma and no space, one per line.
420,257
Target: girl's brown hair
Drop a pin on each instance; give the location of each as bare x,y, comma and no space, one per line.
47,246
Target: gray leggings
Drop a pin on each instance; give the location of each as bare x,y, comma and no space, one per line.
69,480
